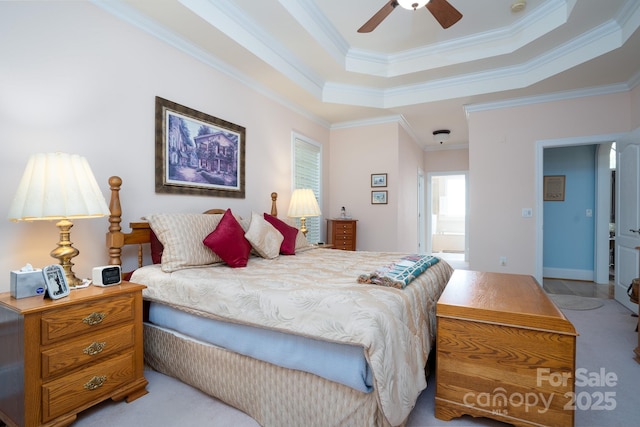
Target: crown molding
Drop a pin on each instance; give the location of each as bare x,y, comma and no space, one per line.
227,17
232,21
128,14
551,97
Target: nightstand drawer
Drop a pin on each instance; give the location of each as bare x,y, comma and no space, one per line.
344,228
90,384
58,359
341,237
345,245
72,321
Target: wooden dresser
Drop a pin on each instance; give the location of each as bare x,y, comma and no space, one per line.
341,233
504,351
60,357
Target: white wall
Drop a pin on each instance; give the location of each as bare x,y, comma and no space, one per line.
74,78
356,153
502,145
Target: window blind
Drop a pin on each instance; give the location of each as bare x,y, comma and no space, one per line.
307,174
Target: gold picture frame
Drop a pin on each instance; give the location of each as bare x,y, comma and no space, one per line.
197,153
554,188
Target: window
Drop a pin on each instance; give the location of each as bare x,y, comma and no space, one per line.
307,156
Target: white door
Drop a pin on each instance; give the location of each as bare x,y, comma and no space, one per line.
628,216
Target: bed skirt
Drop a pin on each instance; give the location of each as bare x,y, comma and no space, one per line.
272,395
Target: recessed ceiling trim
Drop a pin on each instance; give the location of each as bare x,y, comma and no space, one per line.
230,19
546,98
530,27
125,12
311,19
594,43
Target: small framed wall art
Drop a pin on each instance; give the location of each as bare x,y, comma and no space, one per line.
554,188
378,180
379,197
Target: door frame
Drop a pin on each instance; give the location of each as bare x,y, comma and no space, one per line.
539,175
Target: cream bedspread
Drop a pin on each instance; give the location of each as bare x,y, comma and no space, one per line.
315,293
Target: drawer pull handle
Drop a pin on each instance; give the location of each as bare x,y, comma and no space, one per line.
94,318
95,348
95,382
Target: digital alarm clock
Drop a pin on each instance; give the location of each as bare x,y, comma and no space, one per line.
106,275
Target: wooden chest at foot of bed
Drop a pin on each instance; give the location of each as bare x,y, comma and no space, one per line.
504,351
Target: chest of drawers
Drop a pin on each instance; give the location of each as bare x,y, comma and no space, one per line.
341,233
61,357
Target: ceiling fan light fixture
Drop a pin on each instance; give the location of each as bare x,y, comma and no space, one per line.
412,4
441,135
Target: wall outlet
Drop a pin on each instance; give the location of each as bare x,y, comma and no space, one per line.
503,261
527,212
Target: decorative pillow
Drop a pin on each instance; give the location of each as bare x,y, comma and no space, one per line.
182,234
228,241
301,240
264,237
288,246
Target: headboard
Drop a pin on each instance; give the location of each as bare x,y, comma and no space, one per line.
140,233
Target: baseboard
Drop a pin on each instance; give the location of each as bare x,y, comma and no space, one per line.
568,274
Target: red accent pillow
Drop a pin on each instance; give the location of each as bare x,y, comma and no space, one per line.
228,241
156,248
288,246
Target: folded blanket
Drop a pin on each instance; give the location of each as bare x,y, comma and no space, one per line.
399,274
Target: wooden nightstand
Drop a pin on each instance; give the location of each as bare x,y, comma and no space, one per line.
341,233
60,357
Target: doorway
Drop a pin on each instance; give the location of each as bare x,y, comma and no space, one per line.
625,268
448,219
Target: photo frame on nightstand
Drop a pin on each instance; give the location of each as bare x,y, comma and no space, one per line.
56,281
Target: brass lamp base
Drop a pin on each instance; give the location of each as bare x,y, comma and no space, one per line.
303,226
65,251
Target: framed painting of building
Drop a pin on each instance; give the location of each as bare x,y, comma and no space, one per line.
197,153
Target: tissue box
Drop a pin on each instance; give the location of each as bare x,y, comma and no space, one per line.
27,283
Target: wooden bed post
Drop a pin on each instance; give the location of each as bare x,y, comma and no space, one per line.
115,238
274,208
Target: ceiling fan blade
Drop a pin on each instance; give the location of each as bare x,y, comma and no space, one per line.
445,14
376,19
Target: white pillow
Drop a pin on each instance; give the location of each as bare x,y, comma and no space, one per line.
182,234
264,237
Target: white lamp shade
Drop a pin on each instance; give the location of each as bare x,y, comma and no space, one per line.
56,186
409,4
303,204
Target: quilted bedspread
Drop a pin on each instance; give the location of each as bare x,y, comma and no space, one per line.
315,293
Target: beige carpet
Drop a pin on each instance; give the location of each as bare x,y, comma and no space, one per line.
575,302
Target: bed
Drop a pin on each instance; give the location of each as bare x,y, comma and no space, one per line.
300,336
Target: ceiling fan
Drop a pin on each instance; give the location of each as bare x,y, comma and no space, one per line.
445,14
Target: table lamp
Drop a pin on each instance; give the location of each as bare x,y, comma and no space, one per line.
303,205
59,186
